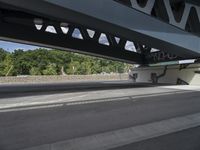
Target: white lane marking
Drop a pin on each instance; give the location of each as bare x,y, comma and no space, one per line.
30,104
42,105
125,98
80,96
30,108
96,101
183,87
160,94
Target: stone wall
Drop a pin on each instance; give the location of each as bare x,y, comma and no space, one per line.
67,78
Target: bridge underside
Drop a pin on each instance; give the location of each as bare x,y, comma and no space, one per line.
133,31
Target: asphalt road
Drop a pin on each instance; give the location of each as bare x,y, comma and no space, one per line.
20,90
22,128
184,140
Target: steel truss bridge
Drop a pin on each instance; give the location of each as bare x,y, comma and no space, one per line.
155,30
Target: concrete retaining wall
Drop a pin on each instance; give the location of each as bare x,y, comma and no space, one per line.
51,79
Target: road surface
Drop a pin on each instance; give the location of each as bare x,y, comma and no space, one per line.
33,120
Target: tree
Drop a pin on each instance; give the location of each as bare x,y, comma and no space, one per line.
8,65
54,62
35,71
3,54
85,68
73,67
50,70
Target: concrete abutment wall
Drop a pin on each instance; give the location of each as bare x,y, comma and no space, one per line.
177,74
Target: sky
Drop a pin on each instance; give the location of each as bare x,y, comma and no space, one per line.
10,46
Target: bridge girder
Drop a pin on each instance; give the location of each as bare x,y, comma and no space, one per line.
105,16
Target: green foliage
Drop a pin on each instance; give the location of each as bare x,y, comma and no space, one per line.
35,71
50,70
55,62
6,63
3,54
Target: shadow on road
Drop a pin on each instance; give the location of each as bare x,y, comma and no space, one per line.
9,91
